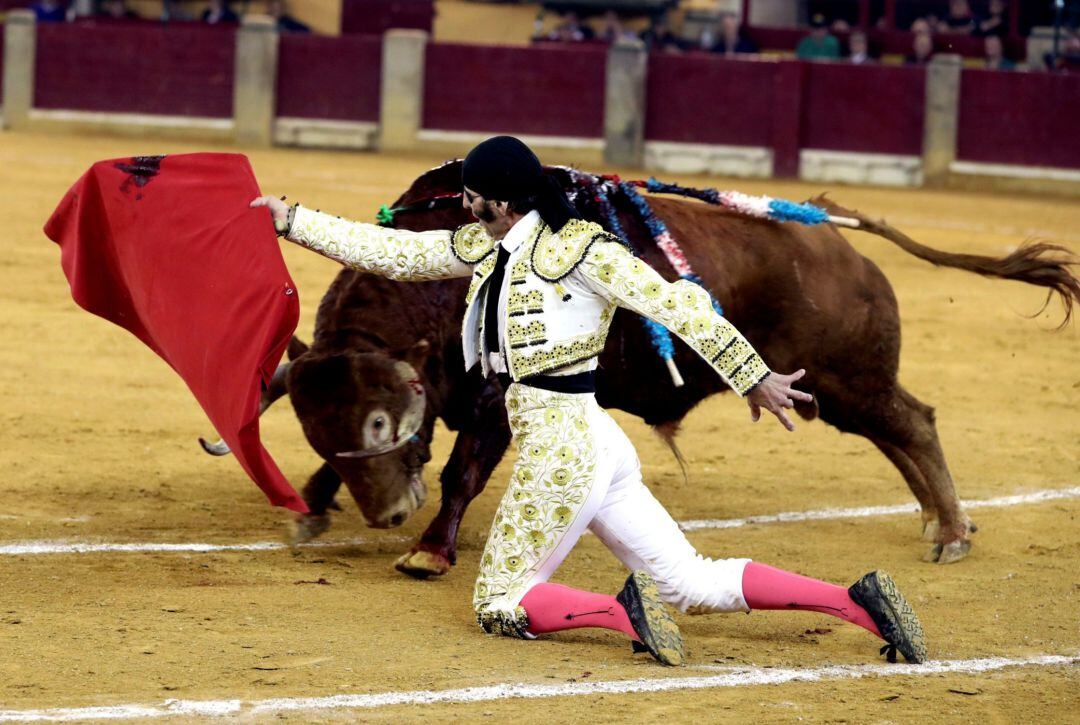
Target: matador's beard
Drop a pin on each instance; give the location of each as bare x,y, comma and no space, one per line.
486,213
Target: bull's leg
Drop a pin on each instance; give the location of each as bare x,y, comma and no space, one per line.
319,496
903,429
476,453
908,424
917,483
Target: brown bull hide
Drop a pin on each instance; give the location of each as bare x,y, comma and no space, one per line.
350,400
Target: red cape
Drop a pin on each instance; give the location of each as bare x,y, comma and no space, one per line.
168,249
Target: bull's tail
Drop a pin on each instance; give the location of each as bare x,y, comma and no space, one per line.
1038,263
667,432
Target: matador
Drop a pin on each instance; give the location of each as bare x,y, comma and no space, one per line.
544,286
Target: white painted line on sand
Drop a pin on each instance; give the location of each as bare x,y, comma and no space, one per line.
64,546
1054,494
736,677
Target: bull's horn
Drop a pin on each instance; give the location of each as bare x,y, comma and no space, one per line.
221,448
272,392
411,419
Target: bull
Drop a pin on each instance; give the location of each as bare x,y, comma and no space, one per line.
802,295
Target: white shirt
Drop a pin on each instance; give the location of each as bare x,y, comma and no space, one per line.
512,243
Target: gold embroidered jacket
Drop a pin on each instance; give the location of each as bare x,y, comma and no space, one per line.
563,291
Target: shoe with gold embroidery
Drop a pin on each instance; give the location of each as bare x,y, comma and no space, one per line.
651,620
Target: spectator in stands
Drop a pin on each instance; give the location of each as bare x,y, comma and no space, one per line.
922,26
860,48
50,11
995,21
842,30
731,40
820,44
612,29
995,54
1068,60
174,10
285,23
219,13
117,10
960,18
922,50
659,36
571,29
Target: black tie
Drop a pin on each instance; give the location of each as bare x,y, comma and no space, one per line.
491,303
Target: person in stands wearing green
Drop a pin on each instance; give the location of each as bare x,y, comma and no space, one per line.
820,44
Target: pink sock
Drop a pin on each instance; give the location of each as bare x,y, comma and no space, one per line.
553,608
767,588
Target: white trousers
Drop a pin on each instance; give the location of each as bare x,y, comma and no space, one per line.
577,470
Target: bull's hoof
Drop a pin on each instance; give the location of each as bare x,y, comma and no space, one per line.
933,554
949,553
954,551
306,527
422,564
931,530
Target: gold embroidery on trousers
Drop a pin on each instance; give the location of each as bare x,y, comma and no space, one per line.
549,486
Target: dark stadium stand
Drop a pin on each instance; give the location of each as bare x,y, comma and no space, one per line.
186,70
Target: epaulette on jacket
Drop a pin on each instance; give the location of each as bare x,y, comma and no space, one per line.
471,243
556,255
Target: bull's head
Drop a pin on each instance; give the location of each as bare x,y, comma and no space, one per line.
364,414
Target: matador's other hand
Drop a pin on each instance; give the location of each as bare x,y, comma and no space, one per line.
279,210
774,394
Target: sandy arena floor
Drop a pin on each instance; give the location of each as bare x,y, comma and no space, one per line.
99,446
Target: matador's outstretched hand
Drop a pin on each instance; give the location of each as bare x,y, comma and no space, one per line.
279,210
775,393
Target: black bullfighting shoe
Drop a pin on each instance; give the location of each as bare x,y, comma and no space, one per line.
651,620
878,594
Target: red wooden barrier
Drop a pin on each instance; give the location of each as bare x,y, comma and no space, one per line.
327,77
1019,118
869,109
375,17
701,98
549,91
789,85
184,70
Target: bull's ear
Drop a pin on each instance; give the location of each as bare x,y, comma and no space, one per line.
296,348
417,354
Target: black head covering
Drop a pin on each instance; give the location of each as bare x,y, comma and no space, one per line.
503,168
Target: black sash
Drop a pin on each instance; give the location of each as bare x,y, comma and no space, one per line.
583,382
